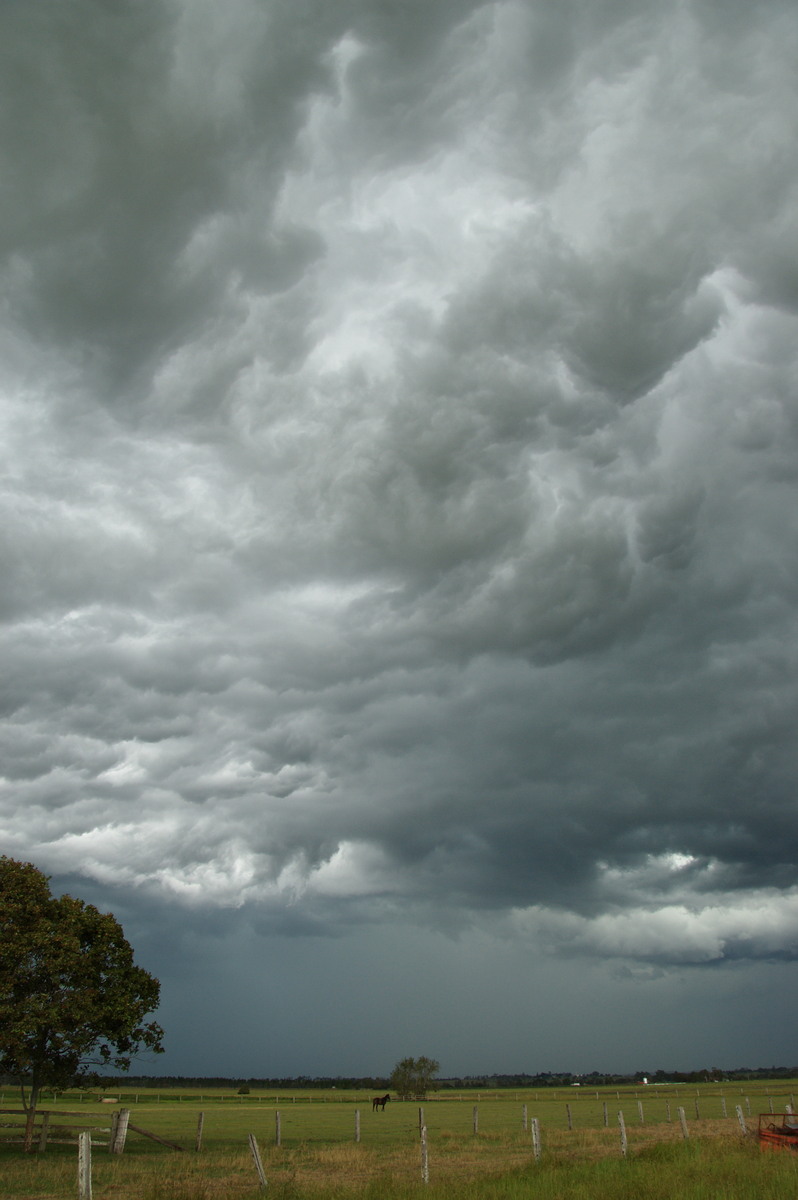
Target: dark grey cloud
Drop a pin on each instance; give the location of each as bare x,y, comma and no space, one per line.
398,488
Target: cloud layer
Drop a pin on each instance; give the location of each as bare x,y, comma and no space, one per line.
399,465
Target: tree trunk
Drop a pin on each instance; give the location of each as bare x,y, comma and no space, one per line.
30,1107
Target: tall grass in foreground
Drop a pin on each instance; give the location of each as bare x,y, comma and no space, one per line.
700,1169
709,1170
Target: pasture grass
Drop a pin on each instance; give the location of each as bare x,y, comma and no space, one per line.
318,1158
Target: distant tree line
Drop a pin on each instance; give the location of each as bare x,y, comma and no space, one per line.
300,1082
378,1082
598,1079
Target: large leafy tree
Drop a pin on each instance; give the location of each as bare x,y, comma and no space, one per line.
71,996
413,1077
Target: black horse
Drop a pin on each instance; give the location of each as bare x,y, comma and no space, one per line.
380,1102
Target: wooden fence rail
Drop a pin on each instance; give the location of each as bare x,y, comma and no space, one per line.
50,1128
48,1124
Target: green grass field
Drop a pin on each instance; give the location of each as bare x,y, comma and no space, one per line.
318,1156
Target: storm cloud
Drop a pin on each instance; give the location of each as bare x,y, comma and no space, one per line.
398,495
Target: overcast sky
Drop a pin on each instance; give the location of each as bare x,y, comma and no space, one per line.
398,520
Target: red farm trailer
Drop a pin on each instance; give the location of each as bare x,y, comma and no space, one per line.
778,1131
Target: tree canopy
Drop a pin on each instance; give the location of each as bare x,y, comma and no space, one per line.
413,1077
71,996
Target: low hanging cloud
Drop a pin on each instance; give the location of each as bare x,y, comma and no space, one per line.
764,925
399,443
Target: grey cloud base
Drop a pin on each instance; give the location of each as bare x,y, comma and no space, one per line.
399,467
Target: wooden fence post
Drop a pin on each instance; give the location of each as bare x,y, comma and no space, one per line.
741,1119
424,1155
253,1145
683,1121
624,1143
536,1138
84,1165
640,1112
357,1124
723,1106
200,1124
568,1114
277,1130
420,1120
606,1115
119,1130
524,1122
668,1109
476,1120
44,1131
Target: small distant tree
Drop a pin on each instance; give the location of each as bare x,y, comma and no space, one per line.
71,997
412,1078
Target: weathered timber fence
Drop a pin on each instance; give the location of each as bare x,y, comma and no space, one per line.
110,1129
120,1123
154,1137
84,1165
424,1155
253,1145
51,1130
536,1138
